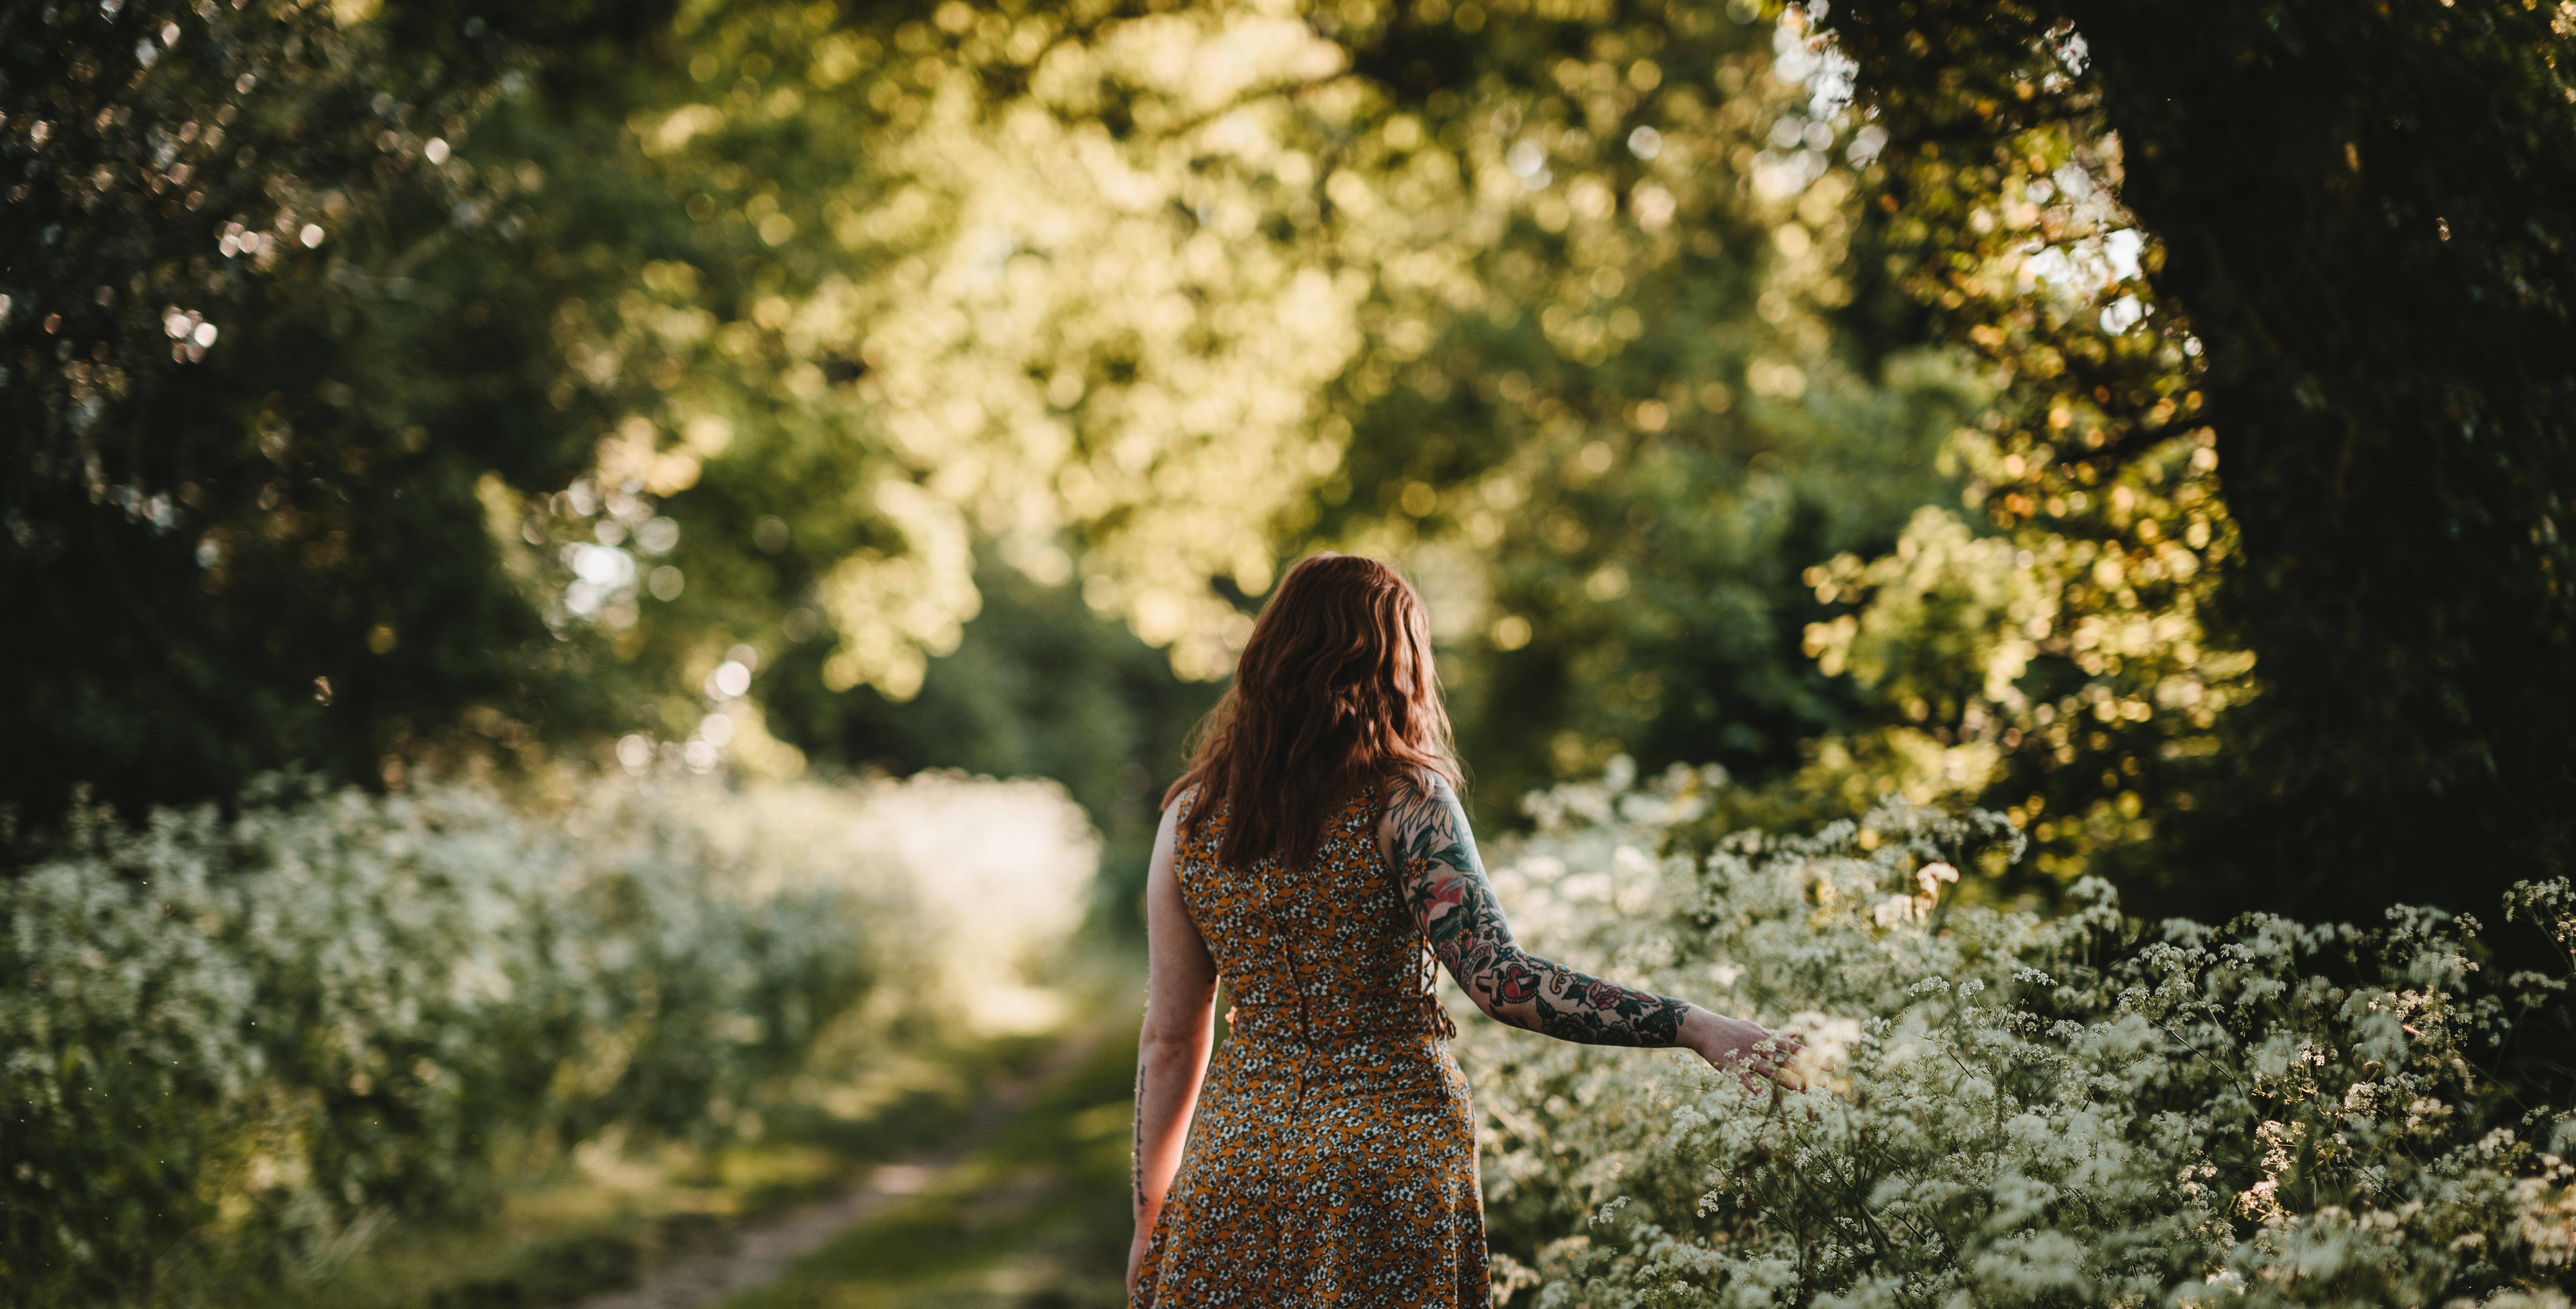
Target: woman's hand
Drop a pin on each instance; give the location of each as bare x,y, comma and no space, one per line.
1748,1050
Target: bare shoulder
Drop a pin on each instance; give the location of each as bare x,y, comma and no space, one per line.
1180,813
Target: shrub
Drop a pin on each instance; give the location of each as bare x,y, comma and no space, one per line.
2016,1110
236,1045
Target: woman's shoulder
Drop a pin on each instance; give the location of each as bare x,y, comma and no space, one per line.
1416,784
1191,815
1417,798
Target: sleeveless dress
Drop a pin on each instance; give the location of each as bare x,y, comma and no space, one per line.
1332,1159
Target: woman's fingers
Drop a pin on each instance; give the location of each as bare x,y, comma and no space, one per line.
1794,1065
1752,1052
1756,1055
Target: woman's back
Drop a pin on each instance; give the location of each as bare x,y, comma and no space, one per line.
1327,950
1327,1155
1333,1160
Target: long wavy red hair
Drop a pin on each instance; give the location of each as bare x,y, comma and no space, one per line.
1335,689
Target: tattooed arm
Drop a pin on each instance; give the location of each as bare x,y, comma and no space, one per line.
1172,1051
1425,835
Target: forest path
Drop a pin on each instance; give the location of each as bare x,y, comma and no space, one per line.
762,1254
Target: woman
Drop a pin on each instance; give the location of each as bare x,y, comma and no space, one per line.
1314,846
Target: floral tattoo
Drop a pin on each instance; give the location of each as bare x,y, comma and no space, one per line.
1444,883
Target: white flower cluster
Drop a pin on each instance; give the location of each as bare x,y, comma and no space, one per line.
246,1040
2011,1109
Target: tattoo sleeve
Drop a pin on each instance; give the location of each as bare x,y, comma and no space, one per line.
1444,883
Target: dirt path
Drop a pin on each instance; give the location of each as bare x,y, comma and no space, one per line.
759,1253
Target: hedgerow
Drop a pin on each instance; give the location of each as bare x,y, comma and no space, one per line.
2011,1109
239,1046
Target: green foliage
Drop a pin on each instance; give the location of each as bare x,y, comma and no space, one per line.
262,337
1567,305
2051,653
1038,686
764,386
1613,435
2013,1109
941,304
374,525
2380,353
241,1045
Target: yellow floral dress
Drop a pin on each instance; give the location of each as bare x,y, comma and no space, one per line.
1332,1160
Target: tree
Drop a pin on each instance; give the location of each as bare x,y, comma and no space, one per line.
268,344
2365,219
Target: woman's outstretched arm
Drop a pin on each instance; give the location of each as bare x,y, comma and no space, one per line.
1427,839
1172,1051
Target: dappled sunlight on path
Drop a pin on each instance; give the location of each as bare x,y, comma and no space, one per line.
1028,1209
1023,1204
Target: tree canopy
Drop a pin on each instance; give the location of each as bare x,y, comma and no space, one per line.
2153,431
266,335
